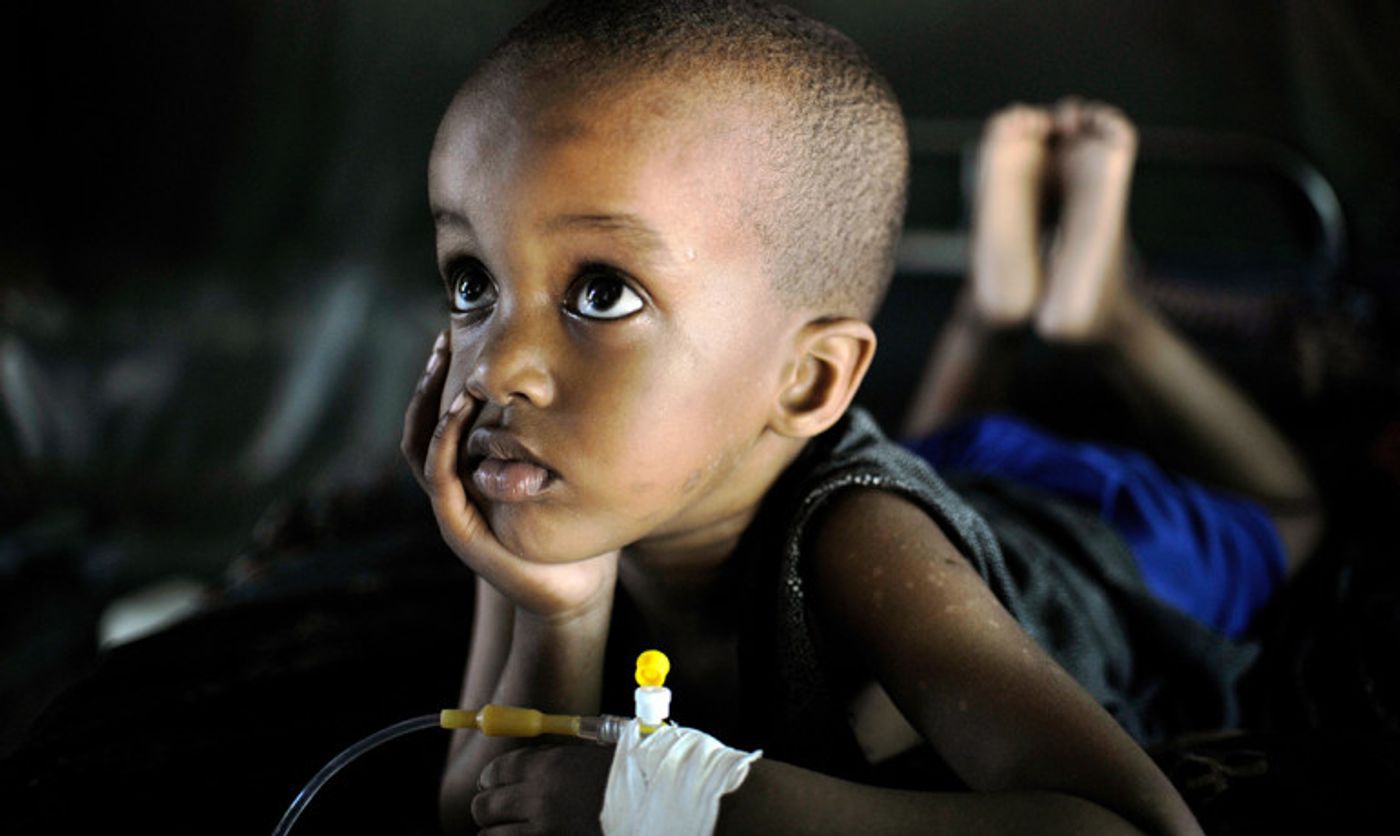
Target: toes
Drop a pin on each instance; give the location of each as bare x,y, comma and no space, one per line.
1075,117
1019,121
1109,123
1068,115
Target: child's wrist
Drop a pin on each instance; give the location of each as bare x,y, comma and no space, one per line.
556,664
592,613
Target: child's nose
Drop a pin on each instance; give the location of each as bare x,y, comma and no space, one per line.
512,364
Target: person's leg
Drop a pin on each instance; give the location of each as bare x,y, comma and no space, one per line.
974,356
1202,425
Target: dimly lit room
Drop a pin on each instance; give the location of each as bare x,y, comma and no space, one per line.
1147,275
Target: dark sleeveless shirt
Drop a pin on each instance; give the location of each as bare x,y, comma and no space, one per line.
1060,571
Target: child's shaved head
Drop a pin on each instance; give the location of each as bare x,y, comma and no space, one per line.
835,145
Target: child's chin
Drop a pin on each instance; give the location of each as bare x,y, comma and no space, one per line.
551,546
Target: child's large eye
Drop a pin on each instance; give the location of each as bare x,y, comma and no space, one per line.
600,293
472,288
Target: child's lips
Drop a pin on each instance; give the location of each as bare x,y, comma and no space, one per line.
505,480
503,469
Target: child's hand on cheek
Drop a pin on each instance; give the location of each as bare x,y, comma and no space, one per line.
544,789
432,443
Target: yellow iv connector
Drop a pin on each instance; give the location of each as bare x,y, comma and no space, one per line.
509,721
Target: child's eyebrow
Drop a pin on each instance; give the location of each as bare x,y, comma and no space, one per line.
626,225
447,217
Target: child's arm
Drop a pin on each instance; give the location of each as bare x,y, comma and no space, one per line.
551,665
778,797
540,630
1002,714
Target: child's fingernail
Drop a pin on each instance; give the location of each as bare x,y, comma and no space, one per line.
433,362
440,343
457,403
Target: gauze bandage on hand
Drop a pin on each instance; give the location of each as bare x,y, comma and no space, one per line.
670,781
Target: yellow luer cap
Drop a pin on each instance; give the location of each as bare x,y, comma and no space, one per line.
652,667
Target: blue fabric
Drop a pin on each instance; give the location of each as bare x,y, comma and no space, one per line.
1211,555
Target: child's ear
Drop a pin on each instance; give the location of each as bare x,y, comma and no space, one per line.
829,362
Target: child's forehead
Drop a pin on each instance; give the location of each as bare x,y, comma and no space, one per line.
647,108
659,134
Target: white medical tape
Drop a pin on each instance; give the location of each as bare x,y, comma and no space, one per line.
670,781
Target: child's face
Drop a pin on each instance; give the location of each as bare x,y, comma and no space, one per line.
613,316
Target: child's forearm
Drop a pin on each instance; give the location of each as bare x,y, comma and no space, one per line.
780,797
553,666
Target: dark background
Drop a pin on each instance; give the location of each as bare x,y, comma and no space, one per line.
216,261
217,285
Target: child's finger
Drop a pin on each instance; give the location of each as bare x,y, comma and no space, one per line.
422,414
501,811
432,443
458,518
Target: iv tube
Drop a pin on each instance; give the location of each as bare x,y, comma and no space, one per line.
493,720
653,707
427,721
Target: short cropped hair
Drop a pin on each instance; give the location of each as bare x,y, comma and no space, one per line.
840,146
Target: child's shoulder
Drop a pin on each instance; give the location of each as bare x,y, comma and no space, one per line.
861,512
874,554
873,520
853,488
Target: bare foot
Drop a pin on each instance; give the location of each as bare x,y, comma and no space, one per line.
1005,257
1086,284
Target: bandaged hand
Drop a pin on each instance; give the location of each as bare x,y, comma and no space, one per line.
670,781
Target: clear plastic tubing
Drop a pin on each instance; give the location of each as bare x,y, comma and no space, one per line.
493,720
427,721
653,702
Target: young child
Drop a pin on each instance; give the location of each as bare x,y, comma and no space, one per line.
1215,553
663,229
